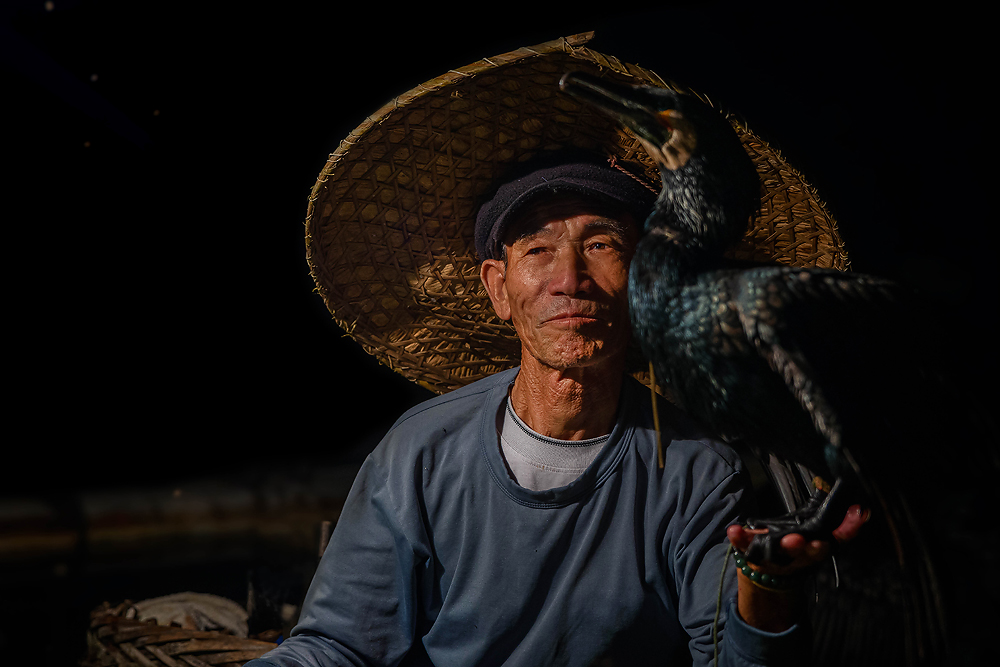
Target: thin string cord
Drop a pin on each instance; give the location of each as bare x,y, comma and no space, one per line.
656,415
718,603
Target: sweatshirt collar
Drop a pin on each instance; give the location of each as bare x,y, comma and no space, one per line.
598,472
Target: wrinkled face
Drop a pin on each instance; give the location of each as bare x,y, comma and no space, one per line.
564,284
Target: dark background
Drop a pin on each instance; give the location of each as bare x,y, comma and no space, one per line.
159,155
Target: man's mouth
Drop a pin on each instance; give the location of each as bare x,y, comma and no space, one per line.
573,319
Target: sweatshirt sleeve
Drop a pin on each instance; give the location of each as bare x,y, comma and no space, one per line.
359,609
705,588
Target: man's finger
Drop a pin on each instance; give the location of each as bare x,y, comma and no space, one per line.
853,520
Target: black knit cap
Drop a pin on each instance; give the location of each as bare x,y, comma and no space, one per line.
611,185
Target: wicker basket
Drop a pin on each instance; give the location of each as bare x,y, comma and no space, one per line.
116,639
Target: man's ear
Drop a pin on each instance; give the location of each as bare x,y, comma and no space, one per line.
493,273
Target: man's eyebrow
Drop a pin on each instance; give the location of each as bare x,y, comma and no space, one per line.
609,224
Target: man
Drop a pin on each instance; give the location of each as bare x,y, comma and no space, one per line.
524,519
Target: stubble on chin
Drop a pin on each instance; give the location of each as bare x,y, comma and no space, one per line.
575,349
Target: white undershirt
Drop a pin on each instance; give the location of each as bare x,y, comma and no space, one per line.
538,462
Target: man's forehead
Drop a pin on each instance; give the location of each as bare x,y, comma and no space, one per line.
597,216
554,227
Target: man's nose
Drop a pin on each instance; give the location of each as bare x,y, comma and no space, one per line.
570,274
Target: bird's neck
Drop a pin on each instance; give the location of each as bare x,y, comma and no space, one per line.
674,250
663,257
700,215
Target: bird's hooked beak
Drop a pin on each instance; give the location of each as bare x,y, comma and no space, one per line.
667,135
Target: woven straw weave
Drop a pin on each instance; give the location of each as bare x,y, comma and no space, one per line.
116,640
390,224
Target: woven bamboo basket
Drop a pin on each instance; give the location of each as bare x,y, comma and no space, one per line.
115,639
390,222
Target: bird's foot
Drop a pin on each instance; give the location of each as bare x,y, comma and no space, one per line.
817,519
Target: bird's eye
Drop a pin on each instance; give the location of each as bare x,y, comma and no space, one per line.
667,118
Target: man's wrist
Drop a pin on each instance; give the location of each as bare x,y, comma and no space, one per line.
767,580
766,608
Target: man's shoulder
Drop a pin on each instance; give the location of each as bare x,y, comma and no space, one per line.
682,434
443,426
466,400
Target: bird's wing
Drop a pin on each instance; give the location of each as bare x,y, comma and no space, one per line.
846,346
837,340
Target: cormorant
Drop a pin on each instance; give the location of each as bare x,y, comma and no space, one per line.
748,349
816,367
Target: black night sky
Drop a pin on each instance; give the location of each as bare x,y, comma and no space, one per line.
159,156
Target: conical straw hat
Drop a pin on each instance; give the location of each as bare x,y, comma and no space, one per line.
390,224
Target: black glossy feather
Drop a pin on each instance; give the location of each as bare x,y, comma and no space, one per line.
744,350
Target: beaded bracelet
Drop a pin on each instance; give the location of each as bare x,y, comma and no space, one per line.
771,582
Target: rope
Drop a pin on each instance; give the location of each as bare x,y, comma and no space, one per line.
613,163
718,603
656,415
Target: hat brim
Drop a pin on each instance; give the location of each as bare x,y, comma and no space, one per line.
390,227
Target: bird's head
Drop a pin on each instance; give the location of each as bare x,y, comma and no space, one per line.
665,121
710,185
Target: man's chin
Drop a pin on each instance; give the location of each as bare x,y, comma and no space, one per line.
583,355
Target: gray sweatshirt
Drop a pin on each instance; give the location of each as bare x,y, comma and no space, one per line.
440,558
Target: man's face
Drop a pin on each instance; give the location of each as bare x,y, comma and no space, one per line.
564,284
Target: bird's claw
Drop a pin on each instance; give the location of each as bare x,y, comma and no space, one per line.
817,519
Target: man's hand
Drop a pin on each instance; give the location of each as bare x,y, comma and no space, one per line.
803,553
775,611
